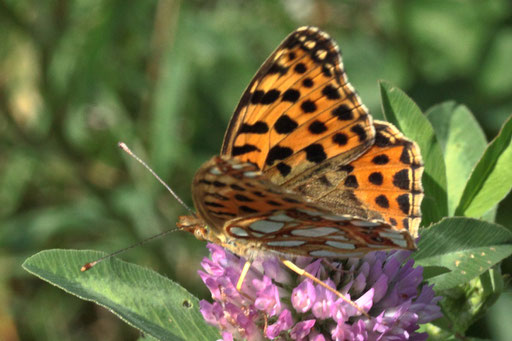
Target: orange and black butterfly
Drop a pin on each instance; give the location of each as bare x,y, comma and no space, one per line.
304,170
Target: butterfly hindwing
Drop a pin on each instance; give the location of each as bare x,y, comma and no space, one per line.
299,110
237,201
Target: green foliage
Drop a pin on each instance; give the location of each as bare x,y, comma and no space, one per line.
463,143
400,110
491,179
466,247
144,299
164,76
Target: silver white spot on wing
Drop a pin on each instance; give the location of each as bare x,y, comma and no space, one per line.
339,245
266,226
215,171
238,166
396,237
338,237
314,232
363,223
251,174
337,217
238,231
287,243
281,217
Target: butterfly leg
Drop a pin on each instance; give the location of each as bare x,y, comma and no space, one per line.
302,272
239,284
245,269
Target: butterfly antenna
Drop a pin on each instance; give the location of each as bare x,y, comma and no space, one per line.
125,148
89,265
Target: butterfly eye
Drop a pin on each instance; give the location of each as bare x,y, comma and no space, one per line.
200,232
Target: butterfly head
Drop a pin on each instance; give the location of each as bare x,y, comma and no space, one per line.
198,228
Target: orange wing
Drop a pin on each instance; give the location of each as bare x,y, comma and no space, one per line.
299,110
383,183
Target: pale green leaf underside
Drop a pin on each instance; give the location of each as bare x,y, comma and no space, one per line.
491,180
400,110
144,299
467,247
463,143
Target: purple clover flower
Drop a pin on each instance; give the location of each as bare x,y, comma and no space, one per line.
275,304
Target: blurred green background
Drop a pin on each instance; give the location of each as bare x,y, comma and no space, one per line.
164,76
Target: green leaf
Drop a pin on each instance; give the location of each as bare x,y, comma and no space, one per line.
491,180
400,110
142,298
463,305
468,247
463,143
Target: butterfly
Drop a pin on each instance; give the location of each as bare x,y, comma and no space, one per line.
304,170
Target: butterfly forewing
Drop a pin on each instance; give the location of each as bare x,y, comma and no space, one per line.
299,110
384,183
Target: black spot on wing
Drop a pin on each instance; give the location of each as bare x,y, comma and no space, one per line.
237,187
270,96
331,92
346,168
285,125
380,159
256,96
317,127
273,203
246,148
278,153
401,179
218,184
359,130
376,178
405,157
247,209
291,95
300,68
256,128
278,68
258,194
308,106
241,197
308,82
381,140
323,179
351,181
343,113
382,201
315,153
283,168
403,203
213,204
340,139
326,71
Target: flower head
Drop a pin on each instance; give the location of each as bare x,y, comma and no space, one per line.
274,305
